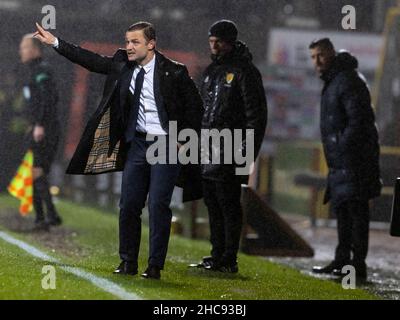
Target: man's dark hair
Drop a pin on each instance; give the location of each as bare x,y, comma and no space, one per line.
148,29
324,43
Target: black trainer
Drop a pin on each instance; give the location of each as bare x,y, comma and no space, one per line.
207,262
224,267
233,268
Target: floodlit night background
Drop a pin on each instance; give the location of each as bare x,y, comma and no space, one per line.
277,32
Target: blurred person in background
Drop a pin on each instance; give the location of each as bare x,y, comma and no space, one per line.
40,94
351,146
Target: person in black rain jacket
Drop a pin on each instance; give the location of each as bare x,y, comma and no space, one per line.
351,146
40,93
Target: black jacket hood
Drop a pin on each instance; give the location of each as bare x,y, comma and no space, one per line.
240,52
343,61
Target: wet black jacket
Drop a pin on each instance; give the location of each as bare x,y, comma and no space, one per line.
234,98
40,93
349,133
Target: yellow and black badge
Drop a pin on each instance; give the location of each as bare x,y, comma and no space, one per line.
229,78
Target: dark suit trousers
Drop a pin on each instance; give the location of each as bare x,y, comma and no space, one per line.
140,179
353,232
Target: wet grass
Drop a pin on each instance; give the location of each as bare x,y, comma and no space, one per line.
21,279
94,235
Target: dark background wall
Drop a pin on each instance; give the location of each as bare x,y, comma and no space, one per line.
181,25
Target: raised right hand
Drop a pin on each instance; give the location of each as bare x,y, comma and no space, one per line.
43,35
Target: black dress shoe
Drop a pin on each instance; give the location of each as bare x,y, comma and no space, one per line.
329,269
152,272
207,262
126,267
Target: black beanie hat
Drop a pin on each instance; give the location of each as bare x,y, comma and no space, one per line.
225,30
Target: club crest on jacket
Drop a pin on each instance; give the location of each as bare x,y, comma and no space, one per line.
229,78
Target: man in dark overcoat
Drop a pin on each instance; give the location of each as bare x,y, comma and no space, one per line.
143,94
351,146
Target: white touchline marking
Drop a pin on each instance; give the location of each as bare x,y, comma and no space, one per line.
99,282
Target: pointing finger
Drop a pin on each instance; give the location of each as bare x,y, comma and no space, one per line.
40,29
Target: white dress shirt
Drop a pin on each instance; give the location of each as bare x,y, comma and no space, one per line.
148,120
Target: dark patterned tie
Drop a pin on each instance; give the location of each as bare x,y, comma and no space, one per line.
135,106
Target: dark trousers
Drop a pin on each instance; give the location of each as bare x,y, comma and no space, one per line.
43,157
140,179
45,151
353,232
225,215
42,195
